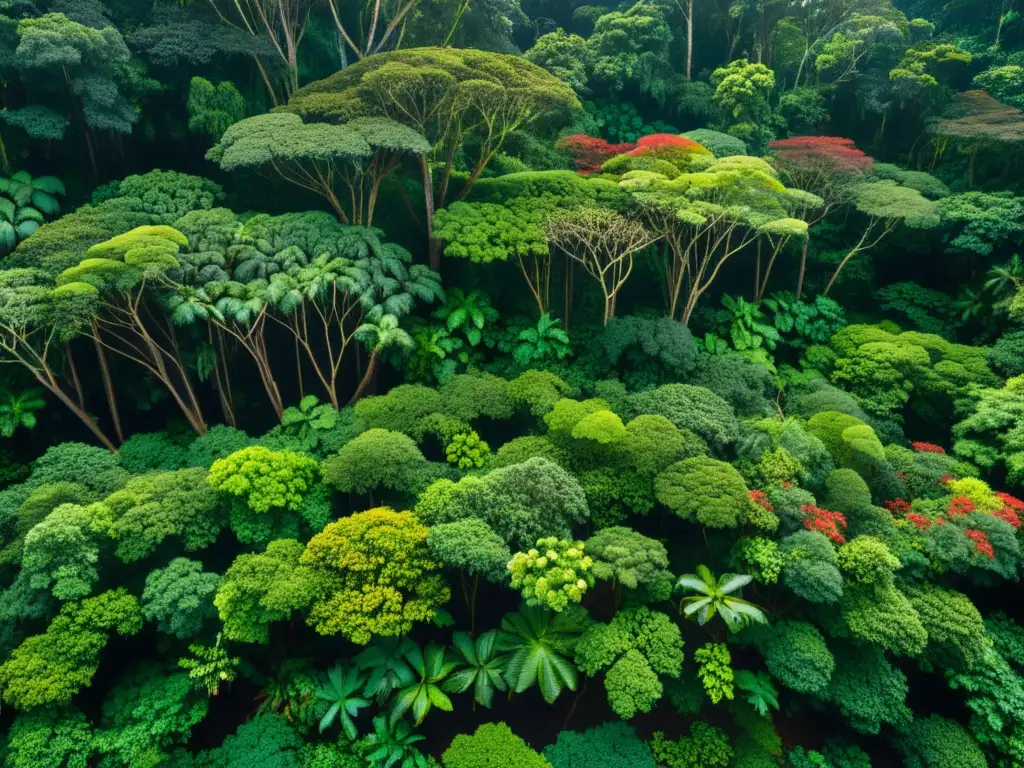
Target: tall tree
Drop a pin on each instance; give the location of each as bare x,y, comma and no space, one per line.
454,98
604,243
976,121
825,166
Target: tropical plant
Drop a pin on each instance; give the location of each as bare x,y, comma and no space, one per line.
484,667
18,409
210,666
25,205
422,687
384,662
545,342
308,417
469,314
393,745
541,642
336,694
760,693
716,597
378,336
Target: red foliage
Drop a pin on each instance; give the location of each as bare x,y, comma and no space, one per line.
589,152
920,521
761,499
660,141
1010,501
981,542
897,506
946,479
823,521
940,520
960,506
1009,514
817,154
927,448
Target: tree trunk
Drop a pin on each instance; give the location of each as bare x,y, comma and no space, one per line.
803,270
85,418
108,385
428,199
689,42
368,377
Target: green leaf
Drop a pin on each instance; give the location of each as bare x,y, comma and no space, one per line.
8,237
46,203
49,184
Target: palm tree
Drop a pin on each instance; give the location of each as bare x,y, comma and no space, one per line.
17,409
716,597
1005,278
378,336
484,667
337,694
541,642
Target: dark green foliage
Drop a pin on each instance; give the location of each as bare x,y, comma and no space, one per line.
376,458
797,656
614,745
471,545
266,741
49,738
810,567
154,451
938,741
801,417
146,715
649,350
705,491
631,560
689,407
868,690
400,410
746,386
180,597
212,109
152,508
634,649
522,502
720,144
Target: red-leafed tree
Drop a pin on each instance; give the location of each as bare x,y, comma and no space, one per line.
589,152
655,142
677,150
826,166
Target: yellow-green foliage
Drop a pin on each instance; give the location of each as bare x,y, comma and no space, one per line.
715,671
566,413
374,576
52,667
705,747
493,745
978,491
467,451
601,426
265,479
554,574
866,560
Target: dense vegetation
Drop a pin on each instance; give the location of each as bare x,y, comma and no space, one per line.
512,384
